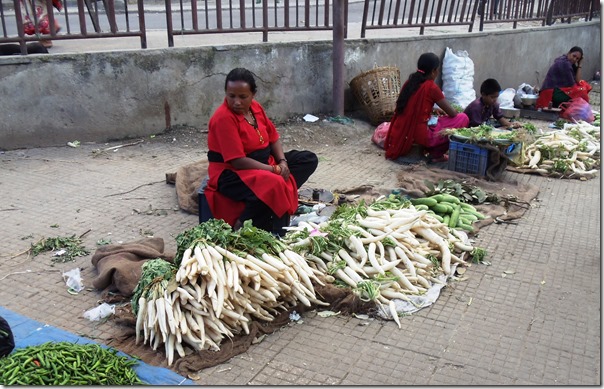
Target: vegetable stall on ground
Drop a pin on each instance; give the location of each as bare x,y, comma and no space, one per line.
384,253
391,253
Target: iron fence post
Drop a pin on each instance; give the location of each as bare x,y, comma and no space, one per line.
338,57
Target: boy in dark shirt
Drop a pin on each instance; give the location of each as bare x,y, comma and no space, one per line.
480,110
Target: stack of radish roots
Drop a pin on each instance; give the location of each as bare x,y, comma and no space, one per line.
222,280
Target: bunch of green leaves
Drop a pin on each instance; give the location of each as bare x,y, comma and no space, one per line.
153,271
511,135
530,128
392,201
560,123
480,132
348,211
213,230
478,254
255,241
467,193
246,240
331,237
368,290
73,248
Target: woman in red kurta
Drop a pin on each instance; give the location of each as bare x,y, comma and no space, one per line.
251,178
414,107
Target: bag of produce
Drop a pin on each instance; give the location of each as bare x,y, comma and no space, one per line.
380,133
577,109
458,77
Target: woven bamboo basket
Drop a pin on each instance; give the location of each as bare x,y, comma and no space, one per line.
377,90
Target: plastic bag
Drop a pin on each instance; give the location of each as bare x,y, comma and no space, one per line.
577,109
506,98
523,89
458,78
380,133
100,312
73,280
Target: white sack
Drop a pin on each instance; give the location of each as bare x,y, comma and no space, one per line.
458,77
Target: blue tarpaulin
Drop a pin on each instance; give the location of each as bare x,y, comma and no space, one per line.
28,332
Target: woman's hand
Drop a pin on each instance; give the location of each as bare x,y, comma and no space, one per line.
284,170
438,111
447,108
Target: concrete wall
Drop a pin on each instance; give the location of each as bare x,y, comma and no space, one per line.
50,100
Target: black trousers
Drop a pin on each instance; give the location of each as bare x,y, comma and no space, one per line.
301,165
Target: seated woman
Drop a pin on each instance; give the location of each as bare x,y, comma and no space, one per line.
564,74
414,107
251,178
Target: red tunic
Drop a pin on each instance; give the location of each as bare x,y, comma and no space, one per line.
411,126
233,137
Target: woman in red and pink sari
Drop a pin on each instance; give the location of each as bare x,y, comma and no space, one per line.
414,107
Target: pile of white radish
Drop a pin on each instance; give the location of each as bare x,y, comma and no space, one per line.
572,152
389,254
216,293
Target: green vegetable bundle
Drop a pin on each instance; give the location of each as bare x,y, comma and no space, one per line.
66,363
449,210
155,272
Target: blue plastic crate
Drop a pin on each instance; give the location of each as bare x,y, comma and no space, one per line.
468,158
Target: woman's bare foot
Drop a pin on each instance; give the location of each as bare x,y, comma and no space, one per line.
46,43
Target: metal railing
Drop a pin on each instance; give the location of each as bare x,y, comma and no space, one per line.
78,19
91,19
544,11
264,16
381,14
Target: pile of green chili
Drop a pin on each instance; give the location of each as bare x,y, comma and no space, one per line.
66,363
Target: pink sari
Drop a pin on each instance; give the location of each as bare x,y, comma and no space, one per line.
436,144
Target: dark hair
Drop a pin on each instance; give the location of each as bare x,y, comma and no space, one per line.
426,63
241,74
576,48
490,86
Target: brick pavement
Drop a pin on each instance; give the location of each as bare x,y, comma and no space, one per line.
537,326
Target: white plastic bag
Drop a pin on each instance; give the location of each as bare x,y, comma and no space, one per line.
100,312
458,77
506,98
523,89
74,280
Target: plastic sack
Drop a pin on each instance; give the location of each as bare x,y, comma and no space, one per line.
577,109
506,98
523,89
74,280
458,78
100,312
308,217
380,133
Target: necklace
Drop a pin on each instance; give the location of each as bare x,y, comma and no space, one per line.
254,123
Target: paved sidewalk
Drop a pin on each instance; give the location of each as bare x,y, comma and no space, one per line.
538,325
